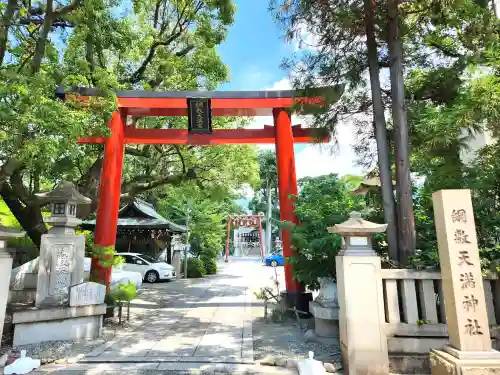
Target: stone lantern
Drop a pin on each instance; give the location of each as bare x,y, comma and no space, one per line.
66,308
63,200
357,235
61,251
5,268
359,283
278,244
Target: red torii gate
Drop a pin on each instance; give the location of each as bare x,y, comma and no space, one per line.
244,221
223,103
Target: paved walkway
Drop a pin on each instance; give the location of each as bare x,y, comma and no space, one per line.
207,319
202,324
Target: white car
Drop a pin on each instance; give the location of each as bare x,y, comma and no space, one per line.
151,269
118,276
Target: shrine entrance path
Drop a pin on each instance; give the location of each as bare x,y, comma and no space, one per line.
207,319
203,324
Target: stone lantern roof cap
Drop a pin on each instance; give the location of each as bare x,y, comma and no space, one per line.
64,192
356,225
6,233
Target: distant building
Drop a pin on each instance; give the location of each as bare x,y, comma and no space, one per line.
143,230
475,143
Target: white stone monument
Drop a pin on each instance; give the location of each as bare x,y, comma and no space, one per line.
60,267
469,351
61,251
88,293
5,269
363,342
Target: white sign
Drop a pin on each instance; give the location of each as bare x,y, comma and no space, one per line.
85,294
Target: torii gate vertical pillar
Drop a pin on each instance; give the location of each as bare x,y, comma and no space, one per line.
109,194
287,185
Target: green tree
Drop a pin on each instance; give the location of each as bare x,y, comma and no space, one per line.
265,198
380,129
446,45
347,48
322,202
209,209
406,227
106,44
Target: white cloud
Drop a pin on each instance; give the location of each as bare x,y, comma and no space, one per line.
316,160
246,191
340,158
306,39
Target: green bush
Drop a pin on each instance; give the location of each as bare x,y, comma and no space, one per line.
124,292
195,268
109,299
322,202
210,265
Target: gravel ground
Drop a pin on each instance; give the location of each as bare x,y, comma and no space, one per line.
62,351
286,338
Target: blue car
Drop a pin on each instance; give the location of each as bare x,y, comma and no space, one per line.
275,260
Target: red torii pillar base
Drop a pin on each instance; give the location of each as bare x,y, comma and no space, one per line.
295,295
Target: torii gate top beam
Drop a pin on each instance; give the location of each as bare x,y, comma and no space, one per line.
223,103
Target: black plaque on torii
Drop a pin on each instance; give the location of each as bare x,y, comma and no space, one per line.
199,115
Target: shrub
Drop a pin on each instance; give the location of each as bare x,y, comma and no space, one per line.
195,268
107,258
124,292
210,265
322,202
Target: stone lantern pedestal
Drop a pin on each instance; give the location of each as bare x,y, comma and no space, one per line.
325,310
60,312
363,341
5,269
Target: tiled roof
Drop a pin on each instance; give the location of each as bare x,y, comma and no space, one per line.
152,220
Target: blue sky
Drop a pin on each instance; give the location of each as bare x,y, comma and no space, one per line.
253,51
254,48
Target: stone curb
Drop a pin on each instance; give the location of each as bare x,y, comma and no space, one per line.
187,359
164,368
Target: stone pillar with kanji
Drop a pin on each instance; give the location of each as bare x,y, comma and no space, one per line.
469,351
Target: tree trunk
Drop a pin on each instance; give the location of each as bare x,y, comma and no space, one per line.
42,38
269,213
277,204
403,182
4,27
381,133
495,5
29,216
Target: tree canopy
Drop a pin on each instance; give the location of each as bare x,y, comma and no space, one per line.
322,202
449,67
106,44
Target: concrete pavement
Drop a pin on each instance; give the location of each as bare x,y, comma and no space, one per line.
185,326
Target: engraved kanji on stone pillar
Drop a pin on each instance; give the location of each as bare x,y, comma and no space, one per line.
464,299
62,252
